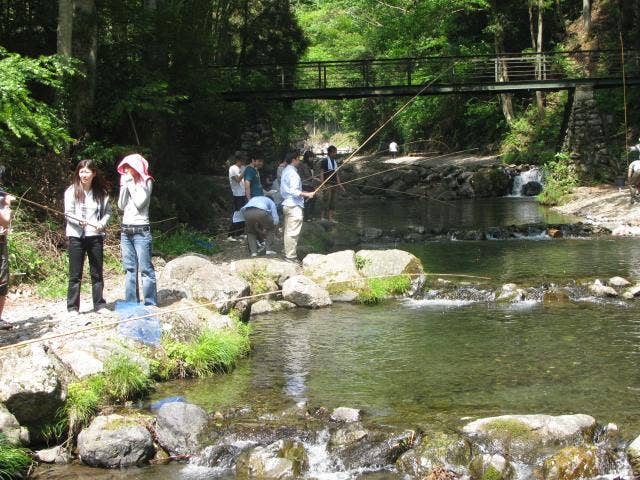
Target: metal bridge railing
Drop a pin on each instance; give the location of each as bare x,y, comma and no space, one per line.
487,69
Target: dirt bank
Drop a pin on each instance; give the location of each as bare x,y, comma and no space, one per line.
604,205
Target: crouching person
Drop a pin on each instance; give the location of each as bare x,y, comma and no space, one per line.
261,218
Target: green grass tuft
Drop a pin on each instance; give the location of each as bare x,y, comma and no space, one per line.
362,262
258,280
212,351
124,379
14,460
378,289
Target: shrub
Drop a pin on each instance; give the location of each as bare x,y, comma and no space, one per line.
258,280
560,177
14,460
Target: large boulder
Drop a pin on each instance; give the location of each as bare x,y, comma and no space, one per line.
113,441
524,436
31,386
435,450
11,429
281,459
314,238
270,306
179,426
491,182
333,269
374,263
187,319
276,269
201,280
347,435
304,292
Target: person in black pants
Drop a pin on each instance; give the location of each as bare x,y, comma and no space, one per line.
87,210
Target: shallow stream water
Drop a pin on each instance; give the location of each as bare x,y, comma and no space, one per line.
435,364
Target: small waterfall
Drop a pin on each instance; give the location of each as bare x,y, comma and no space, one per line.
527,184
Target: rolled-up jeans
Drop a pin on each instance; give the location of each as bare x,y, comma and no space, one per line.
292,226
136,256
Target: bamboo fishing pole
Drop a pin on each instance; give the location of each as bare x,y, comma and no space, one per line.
207,305
397,112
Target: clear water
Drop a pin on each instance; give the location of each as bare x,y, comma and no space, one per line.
435,365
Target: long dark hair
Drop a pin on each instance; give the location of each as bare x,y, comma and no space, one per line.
99,185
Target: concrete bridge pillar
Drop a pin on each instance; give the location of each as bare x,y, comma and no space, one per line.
585,140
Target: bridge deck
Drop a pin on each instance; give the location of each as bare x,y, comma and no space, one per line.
440,75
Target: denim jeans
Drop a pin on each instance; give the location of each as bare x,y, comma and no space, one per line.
92,248
136,256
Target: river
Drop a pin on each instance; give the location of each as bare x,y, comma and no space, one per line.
434,363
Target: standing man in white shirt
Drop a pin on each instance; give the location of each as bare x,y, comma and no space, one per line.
292,206
236,182
393,148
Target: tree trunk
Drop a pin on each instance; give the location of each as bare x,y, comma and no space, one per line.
502,73
586,16
65,27
539,94
85,49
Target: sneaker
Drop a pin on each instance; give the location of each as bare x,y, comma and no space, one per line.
270,252
254,254
73,313
103,311
231,239
5,325
292,260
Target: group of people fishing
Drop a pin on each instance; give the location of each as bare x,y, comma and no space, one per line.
293,193
87,212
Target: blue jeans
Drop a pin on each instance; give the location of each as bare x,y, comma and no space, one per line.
136,256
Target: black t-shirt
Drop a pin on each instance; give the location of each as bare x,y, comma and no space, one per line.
327,170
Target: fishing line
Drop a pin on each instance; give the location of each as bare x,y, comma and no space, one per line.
211,304
398,112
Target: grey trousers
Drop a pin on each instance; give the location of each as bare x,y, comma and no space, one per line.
259,226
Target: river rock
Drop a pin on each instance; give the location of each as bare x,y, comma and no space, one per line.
113,441
58,455
220,456
179,426
618,282
348,435
434,450
11,429
632,292
491,182
600,290
523,436
281,459
270,306
31,387
510,292
373,263
187,318
345,414
633,453
377,449
336,272
304,292
494,467
531,189
277,270
571,463
556,296
199,279
314,238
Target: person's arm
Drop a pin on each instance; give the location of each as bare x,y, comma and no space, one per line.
139,192
247,184
273,210
70,208
102,223
6,212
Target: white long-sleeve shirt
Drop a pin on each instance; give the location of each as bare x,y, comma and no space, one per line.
134,201
291,188
89,211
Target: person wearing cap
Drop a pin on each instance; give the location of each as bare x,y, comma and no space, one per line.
135,193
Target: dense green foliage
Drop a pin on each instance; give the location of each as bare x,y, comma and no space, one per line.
14,461
378,289
560,178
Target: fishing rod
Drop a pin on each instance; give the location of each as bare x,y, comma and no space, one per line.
624,99
398,112
207,305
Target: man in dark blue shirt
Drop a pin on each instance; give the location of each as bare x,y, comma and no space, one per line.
252,184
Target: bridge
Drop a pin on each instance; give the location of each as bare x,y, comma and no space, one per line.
480,74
